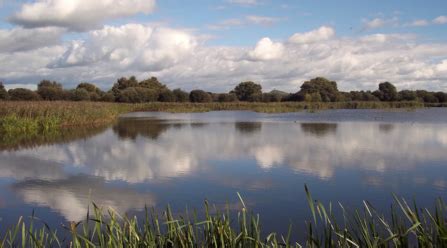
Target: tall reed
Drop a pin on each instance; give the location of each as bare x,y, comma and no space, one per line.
366,227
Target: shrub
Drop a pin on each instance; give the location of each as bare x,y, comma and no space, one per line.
21,94
199,96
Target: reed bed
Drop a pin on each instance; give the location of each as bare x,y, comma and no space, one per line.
407,226
35,118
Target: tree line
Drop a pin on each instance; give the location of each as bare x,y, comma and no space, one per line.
130,90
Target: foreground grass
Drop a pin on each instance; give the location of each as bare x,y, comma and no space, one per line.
407,226
43,116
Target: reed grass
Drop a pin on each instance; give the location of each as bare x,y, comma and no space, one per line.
36,118
407,226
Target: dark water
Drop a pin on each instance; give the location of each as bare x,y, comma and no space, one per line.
182,159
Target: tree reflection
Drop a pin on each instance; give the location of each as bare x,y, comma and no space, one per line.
248,127
131,128
319,129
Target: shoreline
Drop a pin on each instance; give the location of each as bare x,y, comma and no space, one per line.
34,118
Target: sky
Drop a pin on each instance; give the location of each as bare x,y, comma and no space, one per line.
216,44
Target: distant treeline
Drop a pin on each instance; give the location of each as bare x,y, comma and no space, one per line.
130,90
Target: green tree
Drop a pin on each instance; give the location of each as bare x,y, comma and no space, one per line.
80,94
3,92
427,96
153,84
108,97
387,92
442,97
124,83
224,97
166,96
50,90
21,94
248,91
180,95
326,89
94,92
407,95
199,96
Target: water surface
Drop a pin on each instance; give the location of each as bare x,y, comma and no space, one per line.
182,159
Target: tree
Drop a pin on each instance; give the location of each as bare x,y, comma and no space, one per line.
153,84
50,91
248,91
426,96
326,89
166,96
407,95
442,97
80,94
199,96
108,97
224,97
94,92
124,83
21,94
3,92
387,92
180,95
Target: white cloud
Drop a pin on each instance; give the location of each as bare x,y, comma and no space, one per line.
244,2
262,20
180,59
247,20
419,23
440,20
266,49
19,39
137,45
321,34
78,15
379,23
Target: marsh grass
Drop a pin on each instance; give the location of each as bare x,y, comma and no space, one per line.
406,226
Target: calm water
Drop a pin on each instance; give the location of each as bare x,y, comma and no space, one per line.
157,158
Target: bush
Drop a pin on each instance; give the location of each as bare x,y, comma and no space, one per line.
50,91
248,91
80,95
21,94
199,96
166,96
108,97
320,89
180,95
3,92
224,97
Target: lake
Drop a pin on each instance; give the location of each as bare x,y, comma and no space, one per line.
156,159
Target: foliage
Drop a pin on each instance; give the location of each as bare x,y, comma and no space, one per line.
387,92
21,94
365,227
199,96
224,97
3,92
80,94
50,91
319,89
166,96
248,91
180,95
407,95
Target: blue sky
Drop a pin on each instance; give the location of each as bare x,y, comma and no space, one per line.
214,44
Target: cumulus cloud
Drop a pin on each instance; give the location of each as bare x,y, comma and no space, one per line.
19,39
78,15
321,34
440,20
181,59
266,49
137,45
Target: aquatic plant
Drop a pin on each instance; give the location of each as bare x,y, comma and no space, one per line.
366,227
